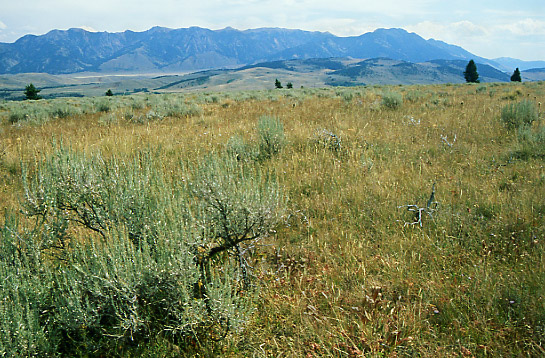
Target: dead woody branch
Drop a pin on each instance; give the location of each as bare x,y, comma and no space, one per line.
430,209
444,138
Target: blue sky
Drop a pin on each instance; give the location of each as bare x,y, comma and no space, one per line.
489,28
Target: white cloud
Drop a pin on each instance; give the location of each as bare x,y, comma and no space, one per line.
521,39
468,29
390,8
449,31
88,28
2,26
342,26
526,27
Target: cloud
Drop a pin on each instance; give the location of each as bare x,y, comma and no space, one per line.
468,29
88,28
449,31
521,39
526,27
2,26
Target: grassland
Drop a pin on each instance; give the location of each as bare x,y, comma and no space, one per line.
349,271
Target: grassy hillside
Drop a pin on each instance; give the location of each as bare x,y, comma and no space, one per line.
410,221
313,73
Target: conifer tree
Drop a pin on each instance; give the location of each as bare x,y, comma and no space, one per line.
516,76
31,92
470,73
278,84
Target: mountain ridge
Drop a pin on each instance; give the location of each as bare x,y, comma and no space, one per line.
164,50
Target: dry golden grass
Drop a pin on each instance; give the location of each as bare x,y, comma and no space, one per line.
344,275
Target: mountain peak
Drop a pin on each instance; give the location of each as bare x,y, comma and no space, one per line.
188,49
392,30
156,29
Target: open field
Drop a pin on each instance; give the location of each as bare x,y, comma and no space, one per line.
341,267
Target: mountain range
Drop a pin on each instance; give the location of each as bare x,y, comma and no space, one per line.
164,50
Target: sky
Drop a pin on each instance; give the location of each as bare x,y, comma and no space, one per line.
488,28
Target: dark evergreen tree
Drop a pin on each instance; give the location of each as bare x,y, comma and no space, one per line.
470,73
109,93
516,76
289,85
31,92
277,84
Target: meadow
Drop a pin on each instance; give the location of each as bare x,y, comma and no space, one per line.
399,221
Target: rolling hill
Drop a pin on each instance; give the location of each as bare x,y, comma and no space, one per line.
308,73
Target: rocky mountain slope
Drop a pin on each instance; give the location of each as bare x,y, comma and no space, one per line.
163,50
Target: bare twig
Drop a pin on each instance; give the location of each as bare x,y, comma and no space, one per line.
444,138
430,209
412,121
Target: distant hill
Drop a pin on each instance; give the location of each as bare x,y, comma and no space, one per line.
534,74
509,64
388,71
163,50
320,72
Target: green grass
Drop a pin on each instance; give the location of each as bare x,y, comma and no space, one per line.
344,273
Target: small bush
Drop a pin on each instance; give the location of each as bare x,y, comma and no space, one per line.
184,110
103,105
414,96
237,148
235,200
60,110
513,95
271,136
346,95
392,100
328,140
519,114
17,116
531,143
137,102
152,115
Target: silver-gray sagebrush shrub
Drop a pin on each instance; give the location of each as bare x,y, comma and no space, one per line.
242,151
272,140
74,189
132,256
519,114
392,100
237,201
24,291
530,143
